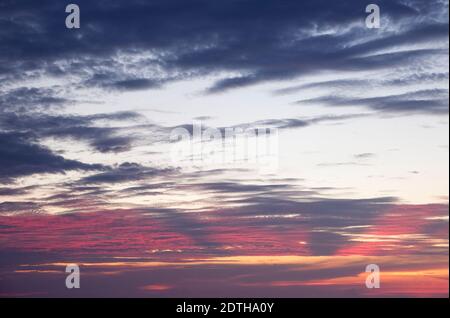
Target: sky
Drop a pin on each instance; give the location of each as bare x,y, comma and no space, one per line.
241,148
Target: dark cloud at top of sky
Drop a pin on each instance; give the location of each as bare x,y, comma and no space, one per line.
108,26
170,39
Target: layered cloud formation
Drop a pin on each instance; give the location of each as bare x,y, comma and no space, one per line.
85,122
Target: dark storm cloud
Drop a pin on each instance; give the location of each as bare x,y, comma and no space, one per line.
83,128
165,24
19,157
26,98
171,40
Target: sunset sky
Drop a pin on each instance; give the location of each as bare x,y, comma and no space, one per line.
357,173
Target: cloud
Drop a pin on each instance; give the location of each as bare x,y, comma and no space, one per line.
11,208
126,172
364,155
365,84
147,189
264,42
20,157
15,191
286,123
204,215
25,98
84,128
136,84
434,101
326,227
